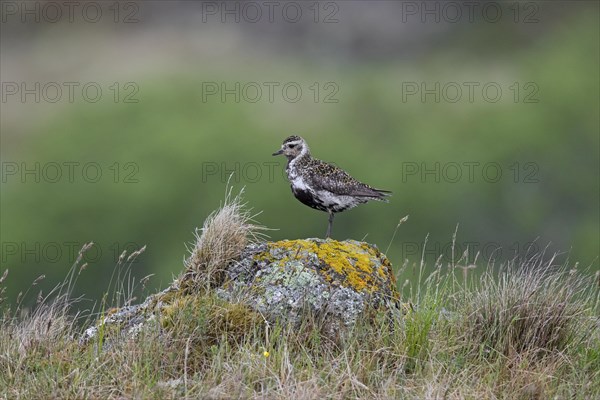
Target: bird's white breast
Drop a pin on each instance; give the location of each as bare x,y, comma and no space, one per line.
298,182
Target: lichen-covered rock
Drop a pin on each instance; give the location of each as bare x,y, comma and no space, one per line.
283,281
326,278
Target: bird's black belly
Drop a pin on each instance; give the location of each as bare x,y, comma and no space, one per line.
308,198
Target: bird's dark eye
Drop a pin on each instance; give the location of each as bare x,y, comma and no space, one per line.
291,146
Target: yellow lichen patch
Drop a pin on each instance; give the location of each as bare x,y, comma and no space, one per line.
350,263
348,260
112,310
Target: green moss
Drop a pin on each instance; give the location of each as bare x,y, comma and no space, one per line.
179,308
209,318
234,319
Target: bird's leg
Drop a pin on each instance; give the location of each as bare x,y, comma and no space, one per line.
329,225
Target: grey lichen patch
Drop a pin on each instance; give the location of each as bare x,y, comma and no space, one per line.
127,322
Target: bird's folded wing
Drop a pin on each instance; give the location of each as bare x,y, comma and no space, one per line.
335,180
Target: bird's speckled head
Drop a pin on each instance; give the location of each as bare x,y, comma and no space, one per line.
292,147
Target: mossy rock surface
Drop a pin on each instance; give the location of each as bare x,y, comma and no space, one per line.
325,278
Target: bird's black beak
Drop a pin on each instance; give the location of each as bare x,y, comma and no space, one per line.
278,152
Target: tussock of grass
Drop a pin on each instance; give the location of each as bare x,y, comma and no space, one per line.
532,309
225,233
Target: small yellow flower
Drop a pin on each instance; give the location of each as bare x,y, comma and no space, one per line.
266,354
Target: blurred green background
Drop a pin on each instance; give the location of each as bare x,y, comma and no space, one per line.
510,168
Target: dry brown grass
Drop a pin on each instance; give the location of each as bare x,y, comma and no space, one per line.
225,233
533,307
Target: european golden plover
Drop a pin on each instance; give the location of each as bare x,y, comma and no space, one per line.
323,186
